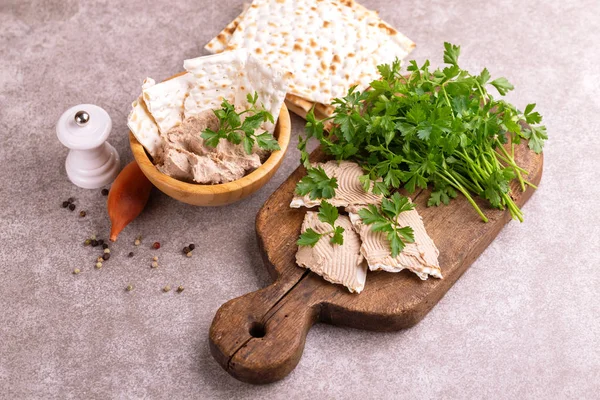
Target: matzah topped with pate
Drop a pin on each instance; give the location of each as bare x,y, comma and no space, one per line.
325,46
209,80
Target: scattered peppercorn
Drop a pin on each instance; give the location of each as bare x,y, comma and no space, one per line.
76,271
167,289
130,254
192,246
189,254
186,250
180,289
94,243
65,204
107,250
104,192
106,256
129,288
98,265
100,259
156,245
82,214
87,242
154,258
93,237
137,242
154,264
71,206
104,246
101,242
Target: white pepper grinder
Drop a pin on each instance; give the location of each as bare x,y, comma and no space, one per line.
92,162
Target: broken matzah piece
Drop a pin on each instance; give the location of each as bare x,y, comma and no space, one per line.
229,75
165,101
355,40
349,191
341,264
420,257
219,42
141,123
216,79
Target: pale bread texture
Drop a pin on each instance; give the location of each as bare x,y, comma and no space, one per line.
209,80
326,45
141,123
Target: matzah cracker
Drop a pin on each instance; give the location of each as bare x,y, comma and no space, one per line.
165,101
219,42
142,125
216,78
270,84
355,40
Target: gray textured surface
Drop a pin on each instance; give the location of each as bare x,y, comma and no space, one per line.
524,321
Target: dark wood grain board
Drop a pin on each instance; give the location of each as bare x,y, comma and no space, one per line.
259,337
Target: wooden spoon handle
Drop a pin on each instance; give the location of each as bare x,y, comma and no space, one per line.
259,337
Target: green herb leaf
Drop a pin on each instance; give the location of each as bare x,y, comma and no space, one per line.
317,184
502,85
338,235
327,213
309,238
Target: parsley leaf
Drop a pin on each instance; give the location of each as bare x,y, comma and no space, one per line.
430,127
317,184
234,130
327,214
385,219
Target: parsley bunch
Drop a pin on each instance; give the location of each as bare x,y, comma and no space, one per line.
327,214
385,219
439,127
234,130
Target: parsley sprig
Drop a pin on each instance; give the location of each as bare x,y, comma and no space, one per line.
327,214
317,184
234,130
385,219
433,127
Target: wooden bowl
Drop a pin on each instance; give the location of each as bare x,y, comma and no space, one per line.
216,195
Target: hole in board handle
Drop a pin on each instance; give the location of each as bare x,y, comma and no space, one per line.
257,330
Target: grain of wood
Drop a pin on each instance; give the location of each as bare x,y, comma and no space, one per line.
285,310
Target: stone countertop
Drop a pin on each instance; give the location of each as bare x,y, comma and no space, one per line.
523,321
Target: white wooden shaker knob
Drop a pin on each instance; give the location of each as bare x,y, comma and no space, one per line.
92,162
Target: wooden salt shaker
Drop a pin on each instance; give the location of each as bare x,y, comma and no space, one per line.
92,162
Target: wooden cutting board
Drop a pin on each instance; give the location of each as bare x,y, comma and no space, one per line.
259,337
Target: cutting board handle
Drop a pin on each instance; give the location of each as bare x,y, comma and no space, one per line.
259,337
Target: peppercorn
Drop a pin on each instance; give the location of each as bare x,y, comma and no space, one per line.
94,243
101,242
167,289
65,204
104,192
71,206
82,214
100,259
192,246
154,264
129,288
76,271
154,258
189,254
186,250
156,245
105,256
130,254
137,242
180,289
87,242
98,265
104,246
